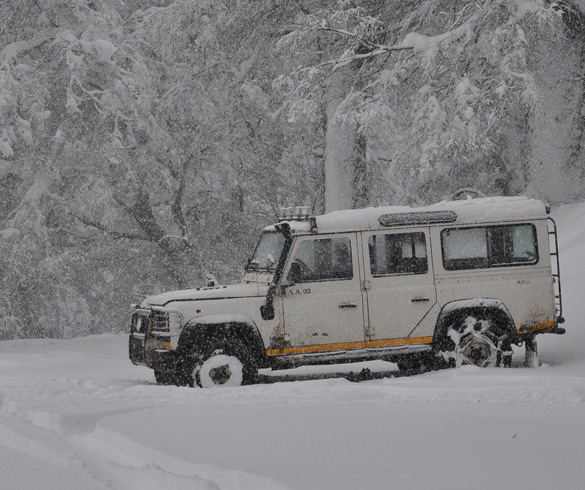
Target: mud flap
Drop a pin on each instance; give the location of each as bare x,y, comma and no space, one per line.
531,356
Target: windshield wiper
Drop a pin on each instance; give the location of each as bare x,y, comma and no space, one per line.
252,265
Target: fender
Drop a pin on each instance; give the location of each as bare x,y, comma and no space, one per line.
207,329
455,310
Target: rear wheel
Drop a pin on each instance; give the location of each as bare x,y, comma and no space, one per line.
477,341
226,364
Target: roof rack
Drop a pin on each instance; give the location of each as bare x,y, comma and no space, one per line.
417,218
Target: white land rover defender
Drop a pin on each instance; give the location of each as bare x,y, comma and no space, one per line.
453,283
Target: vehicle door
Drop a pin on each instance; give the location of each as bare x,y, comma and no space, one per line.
399,282
322,301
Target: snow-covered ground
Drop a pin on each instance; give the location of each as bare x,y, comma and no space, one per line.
76,414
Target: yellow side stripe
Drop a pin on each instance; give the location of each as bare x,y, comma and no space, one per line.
348,345
379,343
533,328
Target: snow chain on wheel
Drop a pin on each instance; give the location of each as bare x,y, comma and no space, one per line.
228,364
478,342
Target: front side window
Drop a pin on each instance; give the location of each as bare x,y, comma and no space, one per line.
267,251
489,246
322,260
399,253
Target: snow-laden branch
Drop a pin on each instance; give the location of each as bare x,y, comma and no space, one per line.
8,53
413,40
103,228
421,42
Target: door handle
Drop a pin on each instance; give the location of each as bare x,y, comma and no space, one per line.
348,305
420,299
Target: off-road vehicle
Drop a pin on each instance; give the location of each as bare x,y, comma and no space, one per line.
453,283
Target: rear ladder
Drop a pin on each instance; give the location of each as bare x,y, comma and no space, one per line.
556,268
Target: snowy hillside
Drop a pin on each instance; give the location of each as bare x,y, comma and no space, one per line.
76,414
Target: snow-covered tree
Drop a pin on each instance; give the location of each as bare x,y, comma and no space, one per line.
441,91
144,143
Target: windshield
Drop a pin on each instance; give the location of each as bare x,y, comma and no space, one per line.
267,251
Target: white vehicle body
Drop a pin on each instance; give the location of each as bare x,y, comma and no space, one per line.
394,283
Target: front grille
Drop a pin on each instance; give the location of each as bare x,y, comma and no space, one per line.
160,321
166,322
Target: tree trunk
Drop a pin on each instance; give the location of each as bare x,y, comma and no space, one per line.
555,171
339,149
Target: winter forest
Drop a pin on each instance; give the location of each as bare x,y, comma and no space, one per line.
145,143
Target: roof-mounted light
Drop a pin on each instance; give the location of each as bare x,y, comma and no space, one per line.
298,213
285,214
302,212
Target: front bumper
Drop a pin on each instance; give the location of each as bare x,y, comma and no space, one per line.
151,334
143,353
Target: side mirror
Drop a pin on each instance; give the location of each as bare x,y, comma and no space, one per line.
267,312
295,275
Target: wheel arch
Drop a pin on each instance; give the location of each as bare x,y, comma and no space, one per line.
457,311
209,330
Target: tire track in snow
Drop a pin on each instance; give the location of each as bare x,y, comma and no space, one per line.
59,422
139,467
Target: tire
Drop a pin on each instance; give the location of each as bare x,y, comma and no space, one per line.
412,365
164,377
420,363
478,341
226,364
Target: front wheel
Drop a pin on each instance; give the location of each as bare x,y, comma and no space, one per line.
230,364
478,342
164,377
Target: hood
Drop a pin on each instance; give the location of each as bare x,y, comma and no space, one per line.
217,292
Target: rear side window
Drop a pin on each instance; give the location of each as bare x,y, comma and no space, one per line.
489,246
398,253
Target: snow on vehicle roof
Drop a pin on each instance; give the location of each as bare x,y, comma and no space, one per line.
467,211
